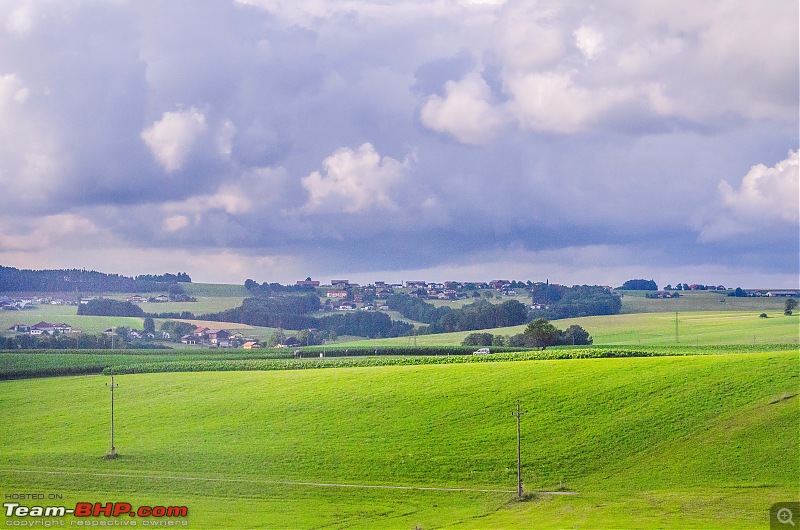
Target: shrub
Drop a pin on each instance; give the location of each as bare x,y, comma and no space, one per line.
478,339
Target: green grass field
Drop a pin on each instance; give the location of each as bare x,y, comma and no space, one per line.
635,302
702,441
67,314
94,325
214,290
651,329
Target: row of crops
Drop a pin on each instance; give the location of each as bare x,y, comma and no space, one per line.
48,364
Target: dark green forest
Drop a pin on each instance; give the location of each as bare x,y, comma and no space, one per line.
84,281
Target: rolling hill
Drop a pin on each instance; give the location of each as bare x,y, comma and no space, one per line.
703,441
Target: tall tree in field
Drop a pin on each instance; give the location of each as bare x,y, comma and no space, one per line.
542,333
576,335
791,305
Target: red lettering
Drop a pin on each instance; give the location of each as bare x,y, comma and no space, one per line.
121,508
144,511
159,511
106,510
177,511
83,509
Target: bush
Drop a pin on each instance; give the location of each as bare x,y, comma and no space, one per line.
478,339
106,307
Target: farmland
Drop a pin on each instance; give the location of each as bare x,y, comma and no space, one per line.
663,441
652,426
636,302
704,317
694,328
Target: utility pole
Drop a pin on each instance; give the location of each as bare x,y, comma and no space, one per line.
113,453
677,339
519,414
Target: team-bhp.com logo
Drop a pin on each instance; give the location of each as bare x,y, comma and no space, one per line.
97,509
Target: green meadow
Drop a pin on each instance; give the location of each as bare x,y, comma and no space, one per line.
706,441
699,328
637,302
707,438
94,324
67,314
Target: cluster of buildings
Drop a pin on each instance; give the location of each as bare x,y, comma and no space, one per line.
139,299
16,304
218,338
339,290
43,327
772,294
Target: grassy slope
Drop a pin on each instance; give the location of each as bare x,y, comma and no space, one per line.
67,314
211,298
702,328
701,441
94,325
215,290
635,302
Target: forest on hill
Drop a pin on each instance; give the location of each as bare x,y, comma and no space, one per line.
84,281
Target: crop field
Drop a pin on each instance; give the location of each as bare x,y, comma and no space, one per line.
495,299
203,305
212,290
701,441
636,302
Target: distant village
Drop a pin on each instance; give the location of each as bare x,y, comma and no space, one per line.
339,295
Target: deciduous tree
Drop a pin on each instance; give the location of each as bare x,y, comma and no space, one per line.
542,333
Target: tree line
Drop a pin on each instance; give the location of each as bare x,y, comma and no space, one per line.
538,334
74,341
479,315
82,280
273,289
553,302
293,312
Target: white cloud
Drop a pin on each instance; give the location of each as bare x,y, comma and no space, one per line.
225,138
20,21
465,111
766,196
173,223
255,189
353,181
28,148
589,41
553,102
527,36
171,138
50,231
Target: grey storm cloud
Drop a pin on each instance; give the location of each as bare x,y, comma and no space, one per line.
418,134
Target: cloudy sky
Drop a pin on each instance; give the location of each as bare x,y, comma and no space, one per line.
580,142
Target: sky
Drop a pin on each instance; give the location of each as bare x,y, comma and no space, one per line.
580,142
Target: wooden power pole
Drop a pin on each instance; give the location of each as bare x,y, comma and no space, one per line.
519,415
113,453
